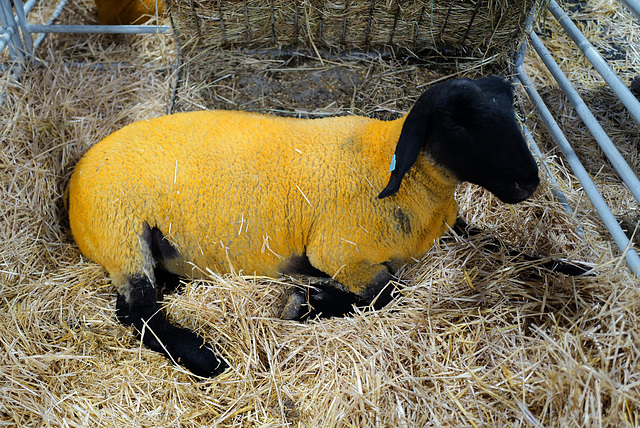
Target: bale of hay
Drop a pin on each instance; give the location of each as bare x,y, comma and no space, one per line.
276,42
474,30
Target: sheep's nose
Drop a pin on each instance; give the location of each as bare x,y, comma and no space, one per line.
519,191
530,182
529,186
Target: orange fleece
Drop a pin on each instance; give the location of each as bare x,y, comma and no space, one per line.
123,12
242,191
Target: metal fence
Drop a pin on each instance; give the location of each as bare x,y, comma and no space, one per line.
16,31
623,93
16,36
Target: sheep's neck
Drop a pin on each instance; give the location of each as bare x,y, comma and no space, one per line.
424,173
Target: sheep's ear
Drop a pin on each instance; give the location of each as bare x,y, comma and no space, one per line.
410,143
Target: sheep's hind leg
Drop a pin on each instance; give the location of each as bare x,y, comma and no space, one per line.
137,305
168,282
494,245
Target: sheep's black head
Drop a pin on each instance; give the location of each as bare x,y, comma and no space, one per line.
469,127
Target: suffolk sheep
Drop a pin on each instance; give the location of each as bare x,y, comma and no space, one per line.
348,199
125,12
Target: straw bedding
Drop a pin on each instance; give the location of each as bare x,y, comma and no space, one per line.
475,340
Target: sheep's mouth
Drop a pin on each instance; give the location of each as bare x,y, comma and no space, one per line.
516,192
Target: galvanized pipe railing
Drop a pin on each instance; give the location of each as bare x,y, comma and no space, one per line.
612,153
627,175
633,6
10,31
594,57
54,15
16,31
102,29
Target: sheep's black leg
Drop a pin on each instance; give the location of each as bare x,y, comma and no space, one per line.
317,300
326,301
183,346
494,245
168,282
162,252
321,296
323,299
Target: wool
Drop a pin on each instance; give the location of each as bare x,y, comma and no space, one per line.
124,12
246,192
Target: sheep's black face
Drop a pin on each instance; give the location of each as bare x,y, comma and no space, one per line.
480,141
469,127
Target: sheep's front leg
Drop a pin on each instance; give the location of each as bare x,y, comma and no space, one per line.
315,297
137,305
326,297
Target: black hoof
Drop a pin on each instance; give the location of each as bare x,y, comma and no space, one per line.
184,347
295,304
317,301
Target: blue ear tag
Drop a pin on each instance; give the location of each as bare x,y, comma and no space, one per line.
392,167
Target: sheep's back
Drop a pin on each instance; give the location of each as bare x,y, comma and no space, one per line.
219,184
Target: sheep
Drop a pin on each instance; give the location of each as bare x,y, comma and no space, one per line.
346,199
124,12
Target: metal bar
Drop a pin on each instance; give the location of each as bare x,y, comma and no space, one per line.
54,15
628,99
103,29
7,33
633,6
4,38
21,18
614,156
28,6
610,222
555,187
6,17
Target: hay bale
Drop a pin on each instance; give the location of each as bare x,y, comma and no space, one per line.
474,30
276,42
